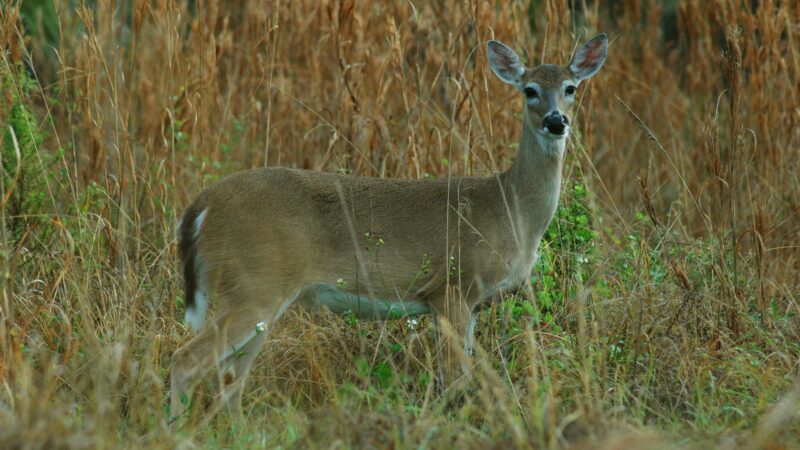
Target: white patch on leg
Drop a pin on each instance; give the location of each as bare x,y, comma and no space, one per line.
469,342
469,339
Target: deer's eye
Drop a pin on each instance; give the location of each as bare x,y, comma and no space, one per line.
569,90
531,92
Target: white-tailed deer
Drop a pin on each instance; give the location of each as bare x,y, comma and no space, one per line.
263,239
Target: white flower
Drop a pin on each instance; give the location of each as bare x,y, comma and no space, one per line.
261,327
411,324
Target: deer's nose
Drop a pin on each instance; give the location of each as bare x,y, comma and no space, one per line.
556,123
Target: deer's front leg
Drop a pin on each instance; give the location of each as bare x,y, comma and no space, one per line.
455,326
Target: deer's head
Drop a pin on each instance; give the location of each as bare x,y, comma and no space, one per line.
549,90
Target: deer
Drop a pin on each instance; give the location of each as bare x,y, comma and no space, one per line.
261,240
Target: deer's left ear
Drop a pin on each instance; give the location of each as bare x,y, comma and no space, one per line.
589,57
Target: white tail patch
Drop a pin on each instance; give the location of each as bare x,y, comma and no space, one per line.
198,222
196,314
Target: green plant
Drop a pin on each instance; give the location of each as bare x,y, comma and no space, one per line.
25,166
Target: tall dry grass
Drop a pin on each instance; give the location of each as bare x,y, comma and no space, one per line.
676,319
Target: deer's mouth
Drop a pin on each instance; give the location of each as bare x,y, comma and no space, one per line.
555,136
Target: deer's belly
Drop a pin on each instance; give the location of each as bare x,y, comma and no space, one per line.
316,296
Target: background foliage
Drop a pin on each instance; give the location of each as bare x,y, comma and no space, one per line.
663,311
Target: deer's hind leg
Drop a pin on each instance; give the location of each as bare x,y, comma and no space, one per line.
228,345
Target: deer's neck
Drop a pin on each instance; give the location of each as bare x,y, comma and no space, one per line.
533,183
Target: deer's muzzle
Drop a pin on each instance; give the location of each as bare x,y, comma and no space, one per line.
556,123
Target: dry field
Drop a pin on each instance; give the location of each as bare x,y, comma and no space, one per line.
664,310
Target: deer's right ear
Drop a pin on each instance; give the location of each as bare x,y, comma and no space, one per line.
505,63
